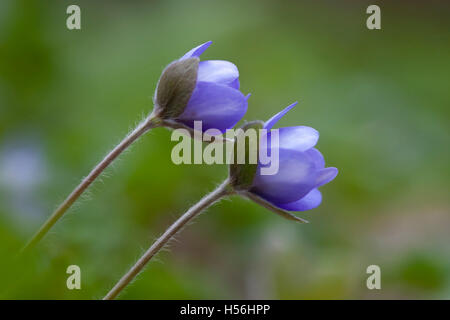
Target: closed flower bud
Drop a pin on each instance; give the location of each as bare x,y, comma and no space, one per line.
301,170
192,90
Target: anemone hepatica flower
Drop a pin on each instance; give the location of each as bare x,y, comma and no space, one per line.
293,187
301,171
192,90
187,91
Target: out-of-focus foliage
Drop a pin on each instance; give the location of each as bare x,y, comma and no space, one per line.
380,100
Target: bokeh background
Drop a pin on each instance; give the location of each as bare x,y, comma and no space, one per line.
380,100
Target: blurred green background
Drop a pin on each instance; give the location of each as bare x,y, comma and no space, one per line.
380,100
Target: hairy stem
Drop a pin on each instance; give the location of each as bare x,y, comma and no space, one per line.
87,181
195,210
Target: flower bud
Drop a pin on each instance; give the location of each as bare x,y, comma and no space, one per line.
301,169
191,90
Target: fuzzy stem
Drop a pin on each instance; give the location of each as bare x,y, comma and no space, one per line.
143,127
195,210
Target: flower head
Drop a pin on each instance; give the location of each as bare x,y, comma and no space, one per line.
192,90
301,170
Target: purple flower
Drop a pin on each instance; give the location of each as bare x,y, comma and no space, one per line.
301,169
192,90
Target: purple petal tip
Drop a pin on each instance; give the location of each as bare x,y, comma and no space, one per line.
197,51
271,122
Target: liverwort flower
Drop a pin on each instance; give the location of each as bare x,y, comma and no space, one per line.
301,171
293,187
188,90
192,90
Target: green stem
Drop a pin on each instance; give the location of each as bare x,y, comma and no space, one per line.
143,127
221,191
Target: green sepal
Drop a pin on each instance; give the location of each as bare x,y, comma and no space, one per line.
266,204
175,87
242,175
